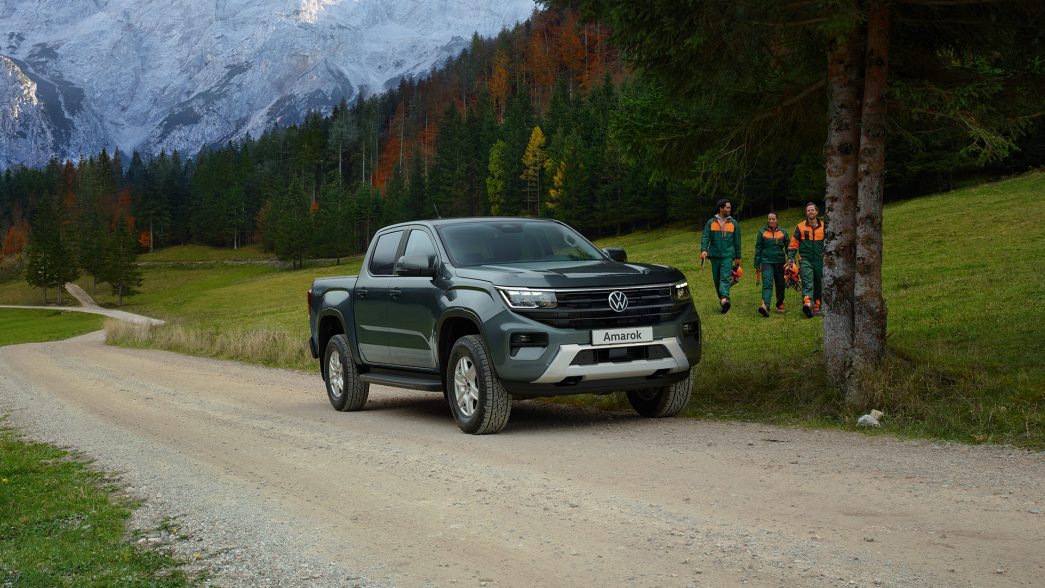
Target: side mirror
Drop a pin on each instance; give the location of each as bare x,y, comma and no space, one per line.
616,254
416,265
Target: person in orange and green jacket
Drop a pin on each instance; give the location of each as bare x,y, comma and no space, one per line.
721,243
808,242
770,254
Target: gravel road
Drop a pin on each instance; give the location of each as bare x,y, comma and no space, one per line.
253,472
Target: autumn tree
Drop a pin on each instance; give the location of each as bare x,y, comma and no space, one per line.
499,84
533,170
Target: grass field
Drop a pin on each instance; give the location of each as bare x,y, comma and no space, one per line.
32,326
963,294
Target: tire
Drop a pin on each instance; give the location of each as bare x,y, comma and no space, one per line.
479,402
665,401
341,375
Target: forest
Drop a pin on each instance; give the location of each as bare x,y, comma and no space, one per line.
548,119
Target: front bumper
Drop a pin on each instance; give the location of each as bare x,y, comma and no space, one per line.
563,367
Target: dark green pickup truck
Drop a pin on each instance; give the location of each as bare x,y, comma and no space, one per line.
490,309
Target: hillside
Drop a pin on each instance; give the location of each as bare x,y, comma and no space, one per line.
967,343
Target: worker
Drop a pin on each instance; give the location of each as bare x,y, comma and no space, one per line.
721,243
808,243
770,255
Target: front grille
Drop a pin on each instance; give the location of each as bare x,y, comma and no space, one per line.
590,309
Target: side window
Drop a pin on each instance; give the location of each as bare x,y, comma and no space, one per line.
420,243
385,253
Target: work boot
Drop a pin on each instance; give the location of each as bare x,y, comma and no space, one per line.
780,308
807,308
725,305
762,310
816,308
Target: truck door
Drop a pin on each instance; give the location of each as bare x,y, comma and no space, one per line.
415,299
373,300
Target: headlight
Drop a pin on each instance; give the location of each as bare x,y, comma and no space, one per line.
680,292
523,298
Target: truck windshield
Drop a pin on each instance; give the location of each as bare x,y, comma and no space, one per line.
511,242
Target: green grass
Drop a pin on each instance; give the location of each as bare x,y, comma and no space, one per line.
63,523
967,346
961,282
32,326
205,253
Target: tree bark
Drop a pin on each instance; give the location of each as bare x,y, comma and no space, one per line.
870,310
840,157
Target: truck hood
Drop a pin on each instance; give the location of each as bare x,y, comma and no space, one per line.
573,274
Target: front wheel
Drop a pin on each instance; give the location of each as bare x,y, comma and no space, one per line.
479,402
665,401
344,389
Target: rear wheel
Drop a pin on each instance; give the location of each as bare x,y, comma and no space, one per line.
479,402
344,389
665,401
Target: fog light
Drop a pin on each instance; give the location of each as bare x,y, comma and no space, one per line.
529,340
691,328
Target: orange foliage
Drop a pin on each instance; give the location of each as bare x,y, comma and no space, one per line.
123,208
539,63
389,157
15,240
144,241
571,51
499,84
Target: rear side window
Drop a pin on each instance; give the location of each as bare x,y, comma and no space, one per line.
420,243
383,261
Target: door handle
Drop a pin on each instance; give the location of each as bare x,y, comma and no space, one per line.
395,292
361,293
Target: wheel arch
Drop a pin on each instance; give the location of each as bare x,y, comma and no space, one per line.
330,323
453,325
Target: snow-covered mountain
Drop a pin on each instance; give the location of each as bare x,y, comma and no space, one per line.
79,75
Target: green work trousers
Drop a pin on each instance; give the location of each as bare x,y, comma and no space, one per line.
772,274
721,273
812,272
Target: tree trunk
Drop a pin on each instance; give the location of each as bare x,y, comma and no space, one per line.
870,311
840,157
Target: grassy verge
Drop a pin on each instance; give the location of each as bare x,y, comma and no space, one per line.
967,351
63,523
32,326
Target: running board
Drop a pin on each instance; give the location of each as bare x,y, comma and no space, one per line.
426,382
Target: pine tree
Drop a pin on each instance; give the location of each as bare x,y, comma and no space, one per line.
121,270
50,263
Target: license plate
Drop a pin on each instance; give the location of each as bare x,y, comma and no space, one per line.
621,336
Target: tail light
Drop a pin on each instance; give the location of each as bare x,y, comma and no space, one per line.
310,304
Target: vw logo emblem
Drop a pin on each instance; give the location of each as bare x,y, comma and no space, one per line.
618,301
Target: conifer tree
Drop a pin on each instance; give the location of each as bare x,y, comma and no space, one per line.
50,263
121,270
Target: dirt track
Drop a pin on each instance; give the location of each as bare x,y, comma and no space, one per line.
273,487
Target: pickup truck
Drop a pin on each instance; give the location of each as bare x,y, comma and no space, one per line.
486,310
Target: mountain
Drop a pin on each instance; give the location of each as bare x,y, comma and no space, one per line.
79,75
